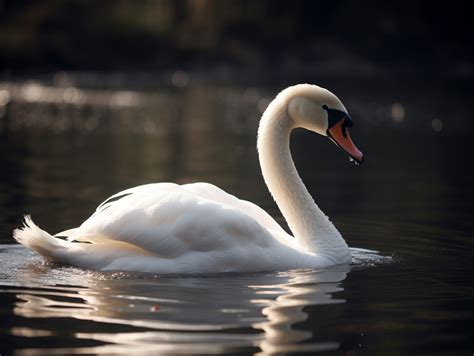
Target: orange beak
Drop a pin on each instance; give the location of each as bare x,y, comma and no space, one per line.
340,136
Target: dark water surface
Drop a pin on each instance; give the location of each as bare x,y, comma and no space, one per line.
63,151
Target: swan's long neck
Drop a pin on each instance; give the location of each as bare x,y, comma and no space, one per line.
310,226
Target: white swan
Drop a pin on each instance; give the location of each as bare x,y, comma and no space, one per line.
199,228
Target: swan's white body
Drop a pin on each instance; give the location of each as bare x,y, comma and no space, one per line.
199,228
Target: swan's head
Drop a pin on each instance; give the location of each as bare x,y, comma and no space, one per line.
317,109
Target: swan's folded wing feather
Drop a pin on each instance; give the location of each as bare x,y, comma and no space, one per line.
171,223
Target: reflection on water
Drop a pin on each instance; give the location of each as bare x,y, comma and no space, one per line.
181,314
302,289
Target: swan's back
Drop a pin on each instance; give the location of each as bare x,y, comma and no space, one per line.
168,203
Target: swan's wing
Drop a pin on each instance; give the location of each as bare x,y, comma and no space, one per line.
202,190
171,220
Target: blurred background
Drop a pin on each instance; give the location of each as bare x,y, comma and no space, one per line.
264,39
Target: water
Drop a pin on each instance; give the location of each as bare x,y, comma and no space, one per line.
64,151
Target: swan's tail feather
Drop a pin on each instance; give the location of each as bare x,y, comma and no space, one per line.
31,236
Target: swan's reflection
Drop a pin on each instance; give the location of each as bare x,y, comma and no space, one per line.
302,289
250,313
